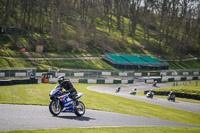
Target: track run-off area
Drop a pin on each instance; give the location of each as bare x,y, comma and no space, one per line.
30,117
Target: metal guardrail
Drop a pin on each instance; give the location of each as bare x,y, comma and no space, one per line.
95,73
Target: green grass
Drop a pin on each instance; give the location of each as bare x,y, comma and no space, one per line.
61,54
18,54
184,65
11,53
115,130
38,94
13,63
96,64
187,88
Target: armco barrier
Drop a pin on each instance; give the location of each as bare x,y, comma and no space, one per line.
105,81
166,79
96,81
97,73
181,95
15,82
5,82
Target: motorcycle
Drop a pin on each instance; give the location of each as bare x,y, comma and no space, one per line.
118,89
60,102
171,97
150,95
154,84
133,93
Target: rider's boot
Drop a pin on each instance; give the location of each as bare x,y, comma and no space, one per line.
76,103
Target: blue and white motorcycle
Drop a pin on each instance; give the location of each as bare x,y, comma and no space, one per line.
60,102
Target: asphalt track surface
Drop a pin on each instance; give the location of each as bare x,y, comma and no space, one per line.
29,117
141,86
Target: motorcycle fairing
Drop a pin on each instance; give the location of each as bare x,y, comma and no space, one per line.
68,102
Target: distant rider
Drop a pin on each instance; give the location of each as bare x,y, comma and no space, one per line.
150,93
171,93
118,89
133,92
67,85
154,83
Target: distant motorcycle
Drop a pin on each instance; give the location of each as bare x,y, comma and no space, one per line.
171,97
150,94
60,102
133,92
118,89
154,83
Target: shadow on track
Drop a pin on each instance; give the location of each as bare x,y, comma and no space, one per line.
82,118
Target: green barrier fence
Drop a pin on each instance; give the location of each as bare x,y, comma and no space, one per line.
183,78
100,81
170,79
117,81
83,81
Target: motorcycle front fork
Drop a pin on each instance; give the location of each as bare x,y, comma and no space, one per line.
57,104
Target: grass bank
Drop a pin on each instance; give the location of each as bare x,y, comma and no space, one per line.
194,64
96,64
38,94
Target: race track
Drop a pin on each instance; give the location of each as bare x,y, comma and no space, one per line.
125,89
28,117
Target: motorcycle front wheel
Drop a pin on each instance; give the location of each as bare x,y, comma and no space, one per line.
55,107
81,109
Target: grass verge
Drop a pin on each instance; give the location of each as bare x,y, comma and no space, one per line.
116,130
186,88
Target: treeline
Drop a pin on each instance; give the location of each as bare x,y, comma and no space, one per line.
174,24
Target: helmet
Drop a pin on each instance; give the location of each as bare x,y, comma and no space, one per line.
60,79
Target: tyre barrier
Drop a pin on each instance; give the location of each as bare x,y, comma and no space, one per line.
181,95
15,82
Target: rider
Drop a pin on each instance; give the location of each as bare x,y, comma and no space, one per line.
171,93
150,93
154,83
133,92
118,89
67,85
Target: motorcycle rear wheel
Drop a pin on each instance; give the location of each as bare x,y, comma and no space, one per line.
81,109
55,108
